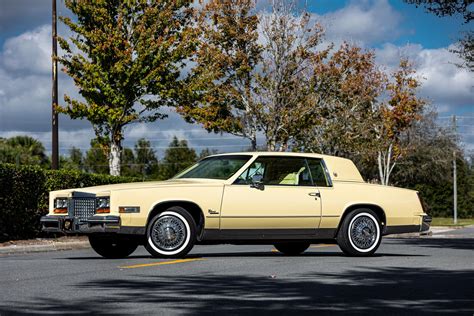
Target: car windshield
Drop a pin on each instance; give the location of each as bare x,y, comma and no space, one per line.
217,167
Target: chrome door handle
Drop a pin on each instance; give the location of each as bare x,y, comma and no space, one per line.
315,194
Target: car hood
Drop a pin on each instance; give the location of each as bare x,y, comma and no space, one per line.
145,184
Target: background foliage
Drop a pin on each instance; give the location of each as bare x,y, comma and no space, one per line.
24,194
232,70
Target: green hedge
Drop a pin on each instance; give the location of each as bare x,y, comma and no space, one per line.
24,195
439,200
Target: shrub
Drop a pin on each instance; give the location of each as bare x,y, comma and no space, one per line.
24,193
20,190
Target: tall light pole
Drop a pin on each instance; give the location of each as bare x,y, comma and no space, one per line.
54,113
455,184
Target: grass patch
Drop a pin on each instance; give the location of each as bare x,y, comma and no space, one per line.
448,221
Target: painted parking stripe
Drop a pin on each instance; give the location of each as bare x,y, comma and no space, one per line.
143,265
322,245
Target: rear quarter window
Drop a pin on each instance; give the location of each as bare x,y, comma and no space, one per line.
318,173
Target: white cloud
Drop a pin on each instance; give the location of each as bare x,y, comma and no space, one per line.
25,82
364,22
28,52
447,86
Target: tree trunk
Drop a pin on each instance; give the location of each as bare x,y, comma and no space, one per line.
385,164
380,165
388,168
114,158
253,144
253,140
271,144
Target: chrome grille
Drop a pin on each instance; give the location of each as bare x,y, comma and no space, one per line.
83,208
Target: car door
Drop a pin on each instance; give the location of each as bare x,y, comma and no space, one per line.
274,196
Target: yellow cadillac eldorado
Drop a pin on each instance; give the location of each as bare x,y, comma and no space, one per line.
289,200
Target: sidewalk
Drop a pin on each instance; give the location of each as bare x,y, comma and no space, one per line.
44,244
440,232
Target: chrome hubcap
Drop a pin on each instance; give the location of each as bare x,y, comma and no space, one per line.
168,233
363,232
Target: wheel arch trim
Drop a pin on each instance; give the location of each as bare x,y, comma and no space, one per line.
374,207
162,205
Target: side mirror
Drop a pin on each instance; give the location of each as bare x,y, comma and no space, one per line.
257,182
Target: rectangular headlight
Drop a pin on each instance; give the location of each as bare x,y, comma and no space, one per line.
102,202
60,206
102,205
61,203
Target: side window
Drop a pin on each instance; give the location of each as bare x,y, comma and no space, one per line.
255,171
277,171
318,173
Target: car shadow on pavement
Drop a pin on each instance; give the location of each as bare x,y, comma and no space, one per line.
262,254
280,255
391,290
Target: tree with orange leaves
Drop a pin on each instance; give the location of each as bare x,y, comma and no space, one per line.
246,81
353,119
345,86
402,109
223,78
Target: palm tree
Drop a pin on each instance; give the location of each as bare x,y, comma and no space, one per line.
23,150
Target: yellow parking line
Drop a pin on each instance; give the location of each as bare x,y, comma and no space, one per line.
159,263
322,245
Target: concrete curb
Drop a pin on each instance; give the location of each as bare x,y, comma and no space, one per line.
411,235
53,246
434,232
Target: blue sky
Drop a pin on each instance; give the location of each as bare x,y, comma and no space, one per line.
417,25
391,27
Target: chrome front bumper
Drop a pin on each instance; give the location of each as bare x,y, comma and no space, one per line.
72,225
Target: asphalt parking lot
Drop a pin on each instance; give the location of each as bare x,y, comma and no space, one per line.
407,276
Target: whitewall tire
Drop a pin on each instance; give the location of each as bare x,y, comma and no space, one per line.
171,234
360,233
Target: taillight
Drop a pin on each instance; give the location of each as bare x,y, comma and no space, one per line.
424,206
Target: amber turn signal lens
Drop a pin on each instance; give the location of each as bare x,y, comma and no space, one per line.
129,209
60,211
103,211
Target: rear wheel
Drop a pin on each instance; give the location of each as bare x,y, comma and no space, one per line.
112,248
171,234
292,248
360,233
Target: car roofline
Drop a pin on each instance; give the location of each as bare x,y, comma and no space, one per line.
273,153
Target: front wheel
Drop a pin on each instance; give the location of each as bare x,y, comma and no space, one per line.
292,248
360,233
171,234
112,248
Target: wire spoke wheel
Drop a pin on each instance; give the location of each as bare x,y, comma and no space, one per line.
360,233
363,232
168,233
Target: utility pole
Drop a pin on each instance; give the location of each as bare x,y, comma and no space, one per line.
455,185
54,113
